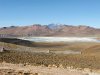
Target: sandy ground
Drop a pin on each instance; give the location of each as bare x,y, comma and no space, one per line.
41,70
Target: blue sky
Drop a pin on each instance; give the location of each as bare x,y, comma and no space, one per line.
71,12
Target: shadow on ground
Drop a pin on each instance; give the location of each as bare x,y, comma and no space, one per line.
30,43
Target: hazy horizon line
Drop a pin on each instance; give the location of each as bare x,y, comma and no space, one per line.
47,24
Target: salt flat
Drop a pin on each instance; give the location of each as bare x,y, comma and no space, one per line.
61,39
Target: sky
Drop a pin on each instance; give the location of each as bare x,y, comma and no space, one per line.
29,12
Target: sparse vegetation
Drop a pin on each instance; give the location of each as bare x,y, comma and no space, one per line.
24,54
83,61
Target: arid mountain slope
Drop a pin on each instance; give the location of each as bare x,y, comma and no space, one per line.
49,30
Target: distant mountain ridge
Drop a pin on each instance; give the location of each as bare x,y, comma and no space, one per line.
49,30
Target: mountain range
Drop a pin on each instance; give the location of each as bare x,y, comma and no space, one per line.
49,30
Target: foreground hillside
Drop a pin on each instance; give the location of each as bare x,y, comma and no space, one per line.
42,58
42,53
49,30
